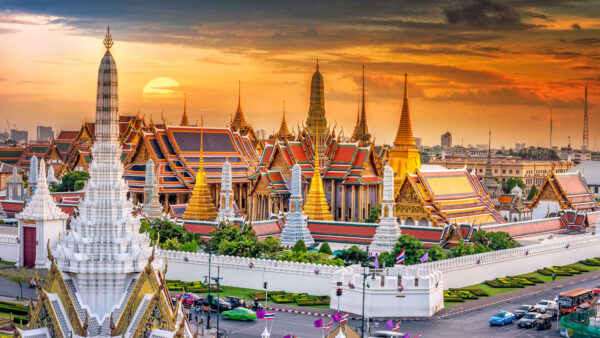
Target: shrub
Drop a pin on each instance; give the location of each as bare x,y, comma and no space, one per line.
300,246
591,262
326,249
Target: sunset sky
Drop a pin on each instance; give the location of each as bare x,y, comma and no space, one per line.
472,65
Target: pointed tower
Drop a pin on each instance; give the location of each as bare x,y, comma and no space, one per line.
152,206
104,250
33,177
404,157
388,229
316,207
226,212
200,205
239,121
296,226
283,132
15,187
586,137
184,119
43,218
361,131
489,181
316,123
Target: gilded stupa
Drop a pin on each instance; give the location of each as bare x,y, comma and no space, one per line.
283,132
361,131
316,123
316,207
404,157
201,206
184,119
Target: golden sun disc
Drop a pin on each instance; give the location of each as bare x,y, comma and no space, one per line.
161,86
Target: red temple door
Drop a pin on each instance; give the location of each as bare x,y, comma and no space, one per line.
29,244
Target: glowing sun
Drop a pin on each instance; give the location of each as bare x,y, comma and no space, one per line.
161,86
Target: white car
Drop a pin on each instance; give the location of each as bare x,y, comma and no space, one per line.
543,305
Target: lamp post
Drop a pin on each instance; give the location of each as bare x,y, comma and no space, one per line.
208,298
364,274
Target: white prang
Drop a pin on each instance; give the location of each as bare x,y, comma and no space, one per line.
226,212
33,177
51,176
41,213
388,230
104,250
296,224
152,206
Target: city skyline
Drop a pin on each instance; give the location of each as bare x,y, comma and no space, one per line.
465,60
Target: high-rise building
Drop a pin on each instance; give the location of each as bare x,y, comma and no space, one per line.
447,140
418,141
45,133
19,135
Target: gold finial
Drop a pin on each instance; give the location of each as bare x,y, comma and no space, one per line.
317,65
108,41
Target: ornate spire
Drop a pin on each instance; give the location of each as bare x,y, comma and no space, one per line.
42,206
316,207
200,205
283,132
108,41
488,179
361,131
239,121
184,119
404,136
316,123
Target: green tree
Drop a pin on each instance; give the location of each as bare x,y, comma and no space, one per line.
299,246
461,249
478,248
501,240
532,192
353,255
18,275
374,214
171,244
270,247
412,247
436,253
512,182
231,233
326,249
190,246
69,180
386,259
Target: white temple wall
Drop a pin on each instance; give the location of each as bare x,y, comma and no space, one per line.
543,208
469,270
236,271
9,248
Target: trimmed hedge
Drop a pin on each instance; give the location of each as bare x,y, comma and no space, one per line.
591,262
567,270
497,284
460,295
195,287
15,309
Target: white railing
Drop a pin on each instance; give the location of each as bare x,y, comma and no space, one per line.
8,239
511,254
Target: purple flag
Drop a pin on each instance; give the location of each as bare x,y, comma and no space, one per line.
407,335
319,322
390,324
288,336
336,317
376,261
260,314
425,257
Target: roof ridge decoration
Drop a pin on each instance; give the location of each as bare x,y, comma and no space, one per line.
200,205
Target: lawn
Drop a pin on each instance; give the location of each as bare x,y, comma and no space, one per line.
7,263
494,291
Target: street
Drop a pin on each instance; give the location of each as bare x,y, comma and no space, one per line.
474,323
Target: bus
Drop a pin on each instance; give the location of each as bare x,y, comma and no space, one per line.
570,300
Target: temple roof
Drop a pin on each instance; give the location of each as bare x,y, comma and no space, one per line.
570,190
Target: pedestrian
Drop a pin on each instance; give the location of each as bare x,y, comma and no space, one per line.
553,275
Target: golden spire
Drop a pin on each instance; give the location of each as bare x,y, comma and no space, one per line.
108,41
184,119
404,136
316,207
361,131
200,205
283,132
239,121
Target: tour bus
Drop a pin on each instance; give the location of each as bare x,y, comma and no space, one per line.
570,300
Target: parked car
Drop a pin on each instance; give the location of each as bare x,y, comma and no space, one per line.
544,322
528,319
239,313
236,302
502,318
522,310
188,298
385,333
221,303
542,305
597,290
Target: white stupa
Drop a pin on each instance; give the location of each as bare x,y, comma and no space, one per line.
52,176
33,177
388,230
104,250
41,220
152,207
296,224
226,212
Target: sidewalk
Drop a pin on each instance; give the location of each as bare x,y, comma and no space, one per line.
503,297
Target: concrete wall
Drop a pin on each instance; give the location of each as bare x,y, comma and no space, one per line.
9,248
403,291
474,269
236,271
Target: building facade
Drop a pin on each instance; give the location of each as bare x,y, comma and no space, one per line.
446,141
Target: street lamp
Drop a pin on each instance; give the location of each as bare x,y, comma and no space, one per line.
364,274
208,297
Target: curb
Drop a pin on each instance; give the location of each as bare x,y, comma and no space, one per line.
329,316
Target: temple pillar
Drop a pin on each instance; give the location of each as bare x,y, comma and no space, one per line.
343,218
353,204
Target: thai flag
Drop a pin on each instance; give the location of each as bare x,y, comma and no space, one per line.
397,327
269,315
400,257
419,335
328,326
344,318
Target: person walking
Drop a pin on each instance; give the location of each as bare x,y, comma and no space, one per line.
553,276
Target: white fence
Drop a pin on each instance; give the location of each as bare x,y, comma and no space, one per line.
9,248
251,272
474,269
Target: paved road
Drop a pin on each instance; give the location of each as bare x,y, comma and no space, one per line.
467,324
